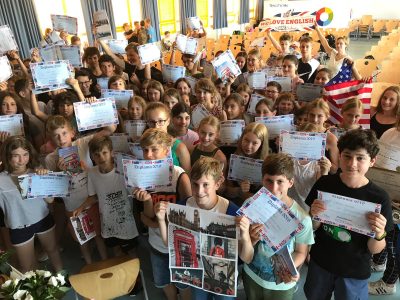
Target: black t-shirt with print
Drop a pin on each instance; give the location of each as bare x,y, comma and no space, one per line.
342,252
154,72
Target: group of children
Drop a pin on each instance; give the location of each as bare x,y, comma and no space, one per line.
339,260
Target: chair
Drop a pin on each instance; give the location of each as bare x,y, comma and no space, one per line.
107,279
390,25
365,26
378,27
366,67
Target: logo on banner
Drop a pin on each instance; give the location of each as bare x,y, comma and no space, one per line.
323,12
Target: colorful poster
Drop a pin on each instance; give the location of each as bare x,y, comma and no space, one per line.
83,227
203,249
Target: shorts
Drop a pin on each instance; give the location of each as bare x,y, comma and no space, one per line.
126,245
320,284
22,235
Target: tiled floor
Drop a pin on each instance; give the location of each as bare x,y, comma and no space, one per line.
73,261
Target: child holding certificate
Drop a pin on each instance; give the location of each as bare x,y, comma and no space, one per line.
340,258
265,108
285,104
158,115
105,186
244,90
323,76
318,113
234,107
155,144
76,163
208,134
25,218
259,278
290,66
180,125
155,91
185,90
351,112
136,108
206,178
172,97
253,144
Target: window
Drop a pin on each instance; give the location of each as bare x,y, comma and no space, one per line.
166,14
126,11
233,8
202,11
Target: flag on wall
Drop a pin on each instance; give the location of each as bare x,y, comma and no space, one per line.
340,88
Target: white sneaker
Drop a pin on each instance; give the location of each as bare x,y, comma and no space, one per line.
377,268
381,288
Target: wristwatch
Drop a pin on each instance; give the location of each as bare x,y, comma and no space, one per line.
381,237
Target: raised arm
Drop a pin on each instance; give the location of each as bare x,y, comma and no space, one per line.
274,42
120,62
322,39
14,55
75,85
35,110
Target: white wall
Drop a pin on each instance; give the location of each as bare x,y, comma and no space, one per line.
379,9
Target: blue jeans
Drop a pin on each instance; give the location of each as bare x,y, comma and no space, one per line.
199,294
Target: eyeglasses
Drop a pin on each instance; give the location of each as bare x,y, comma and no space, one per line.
156,123
85,82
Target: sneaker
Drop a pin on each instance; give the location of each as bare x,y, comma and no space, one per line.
377,268
381,288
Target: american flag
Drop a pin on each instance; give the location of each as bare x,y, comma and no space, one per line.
341,87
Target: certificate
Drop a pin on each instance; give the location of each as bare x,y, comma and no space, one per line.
172,73
285,82
199,113
5,69
120,142
388,157
83,227
118,157
102,25
71,159
55,38
308,92
346,212
276,124
303,145
186,44
245,168
280,223
230,132
121,97
258,42
225,66
51,74
7,39
136,150
149,53
50,185
103,82
72,54
135,128
48,53
257,80
117,46
95,115
387,180
254,99
13,124
193,23
65,23
148,174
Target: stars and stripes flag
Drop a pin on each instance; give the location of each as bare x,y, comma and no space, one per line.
341,87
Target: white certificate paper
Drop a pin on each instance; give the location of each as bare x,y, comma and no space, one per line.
388,157
199,113
103,82
387,180
118,157
280,224
225,65
285,82
135,128
61,52
193,23
65,23
276,124
257,80
303,145
7,39
186,44
120,142
136,150
95,115
117,46
50,185
51,74
254,99
121,97
149,53
346,212
13,124
5,69
172,73
230,132
102,25
308,92
148,174
245,168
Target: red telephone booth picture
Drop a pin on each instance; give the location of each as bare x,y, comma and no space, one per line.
185,249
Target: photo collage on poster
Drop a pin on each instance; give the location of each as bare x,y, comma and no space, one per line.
203,249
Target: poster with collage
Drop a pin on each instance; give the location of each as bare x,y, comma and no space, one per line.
203,249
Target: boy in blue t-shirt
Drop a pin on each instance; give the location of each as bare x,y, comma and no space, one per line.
340,259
